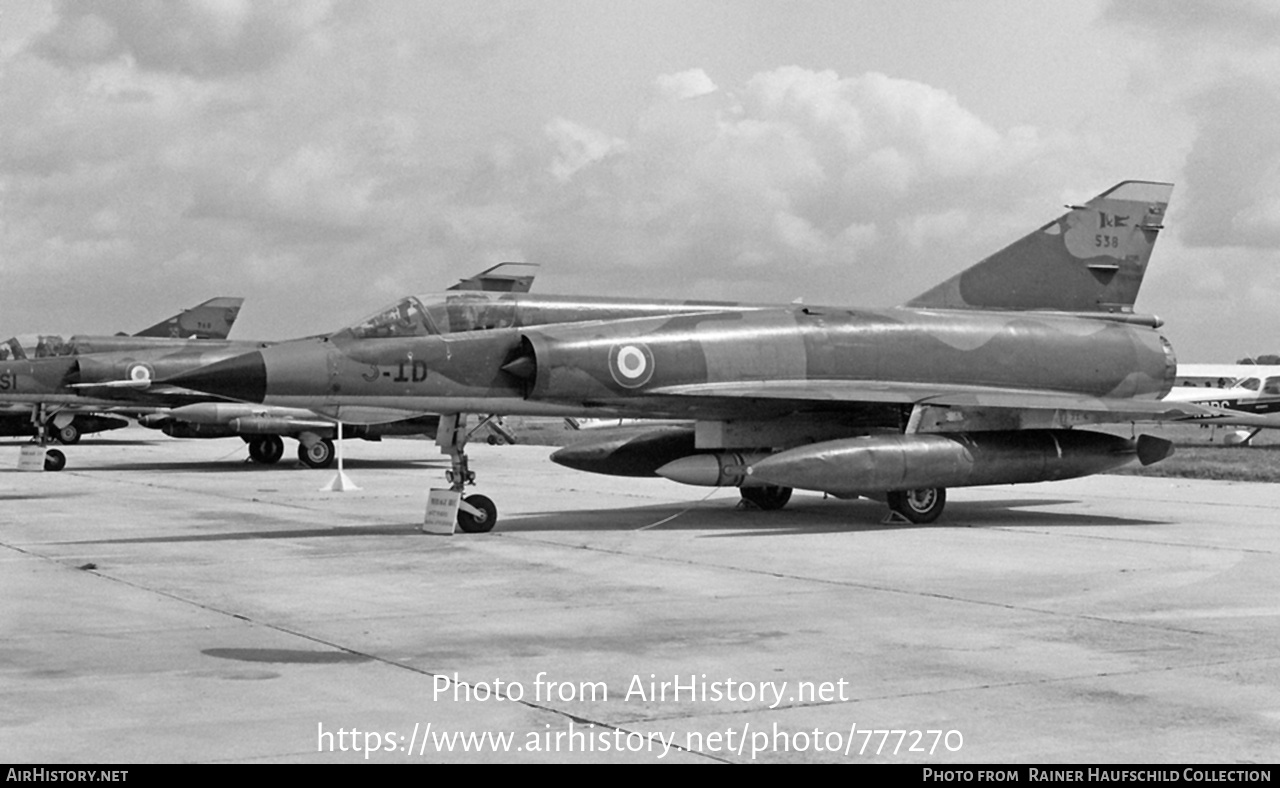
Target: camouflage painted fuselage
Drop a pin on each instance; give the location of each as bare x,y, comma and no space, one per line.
723,365
54,380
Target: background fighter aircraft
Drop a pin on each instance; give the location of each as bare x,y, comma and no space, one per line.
980,380
50,386
212,319
67,426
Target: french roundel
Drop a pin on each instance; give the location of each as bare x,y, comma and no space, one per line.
140,373
631,364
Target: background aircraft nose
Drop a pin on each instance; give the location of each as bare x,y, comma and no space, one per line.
242,377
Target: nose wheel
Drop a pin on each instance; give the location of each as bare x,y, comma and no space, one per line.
477,514
54,459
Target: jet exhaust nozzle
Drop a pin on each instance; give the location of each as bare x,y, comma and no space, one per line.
1152,449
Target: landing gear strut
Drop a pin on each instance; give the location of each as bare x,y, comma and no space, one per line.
54,459
476,513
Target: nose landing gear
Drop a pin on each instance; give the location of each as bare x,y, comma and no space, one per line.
477,514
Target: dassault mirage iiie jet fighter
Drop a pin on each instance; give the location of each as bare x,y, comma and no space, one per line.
26,357
980,380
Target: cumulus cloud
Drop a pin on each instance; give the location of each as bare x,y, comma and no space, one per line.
685,85
312,190
1196,22
796,170
198,38
793,181
1220,61
1233,167
576,147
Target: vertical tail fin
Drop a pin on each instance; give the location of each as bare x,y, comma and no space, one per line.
502,278
211,320
1091,259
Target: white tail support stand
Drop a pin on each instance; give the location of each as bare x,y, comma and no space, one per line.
340,482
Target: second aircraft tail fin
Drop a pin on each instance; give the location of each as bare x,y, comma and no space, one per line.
211,320
503,278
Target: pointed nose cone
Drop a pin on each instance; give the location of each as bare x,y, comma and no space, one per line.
703,470
242,378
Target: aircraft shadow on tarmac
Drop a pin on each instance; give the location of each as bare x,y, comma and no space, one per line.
244,465
806,518
819,517
400,529
87,443
55,494
282,655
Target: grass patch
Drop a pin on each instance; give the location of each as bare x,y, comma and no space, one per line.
1232,463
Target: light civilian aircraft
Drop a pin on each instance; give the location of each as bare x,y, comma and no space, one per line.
1248,396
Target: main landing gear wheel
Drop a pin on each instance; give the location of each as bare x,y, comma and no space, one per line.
67,435
54,460
267,449
318,454
919,506
485,518
767,498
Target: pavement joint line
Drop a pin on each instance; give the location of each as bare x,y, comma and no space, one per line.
1130,540
1003,685
187,491
798,578
871,587
849,584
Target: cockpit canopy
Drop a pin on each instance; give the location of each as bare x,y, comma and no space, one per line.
26,346
1266,386
405,318
445,313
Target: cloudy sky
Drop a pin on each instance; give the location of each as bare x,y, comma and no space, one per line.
323,158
